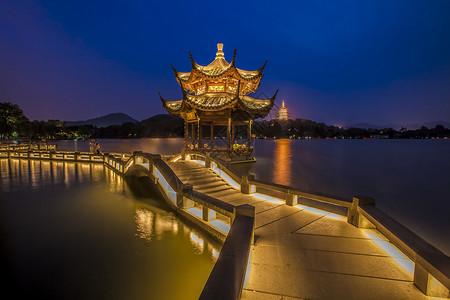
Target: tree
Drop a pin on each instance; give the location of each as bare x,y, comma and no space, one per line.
11,118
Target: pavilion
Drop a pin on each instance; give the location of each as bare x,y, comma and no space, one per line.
217,95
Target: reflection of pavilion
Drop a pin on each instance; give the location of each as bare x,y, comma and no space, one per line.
216,95
282,163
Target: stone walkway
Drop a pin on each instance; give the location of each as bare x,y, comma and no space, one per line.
303,253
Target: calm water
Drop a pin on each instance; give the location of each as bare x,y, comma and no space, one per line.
78,231
408,178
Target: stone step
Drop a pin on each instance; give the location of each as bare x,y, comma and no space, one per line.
199,174
207,185
209,180
214,189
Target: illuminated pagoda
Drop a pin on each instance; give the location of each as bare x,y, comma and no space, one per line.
283,113
216,95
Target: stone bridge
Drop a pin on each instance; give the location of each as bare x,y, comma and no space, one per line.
281,243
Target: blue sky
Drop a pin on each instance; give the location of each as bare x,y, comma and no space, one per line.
338,62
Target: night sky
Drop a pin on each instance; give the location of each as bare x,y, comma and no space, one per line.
338,62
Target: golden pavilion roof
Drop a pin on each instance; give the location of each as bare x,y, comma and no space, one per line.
213,102
219,71
219,87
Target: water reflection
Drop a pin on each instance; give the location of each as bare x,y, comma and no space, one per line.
408,178
197,241
17,173
282,162
152,226
82,220
145,221
149,145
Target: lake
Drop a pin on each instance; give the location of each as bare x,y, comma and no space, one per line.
78,231
408,178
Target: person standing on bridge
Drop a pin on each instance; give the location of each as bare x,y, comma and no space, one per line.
97,148
91,146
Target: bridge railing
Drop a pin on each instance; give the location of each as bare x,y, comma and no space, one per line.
431,266
23,147
211,214
53,155
234,225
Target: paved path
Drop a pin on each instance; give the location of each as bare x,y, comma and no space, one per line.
302,253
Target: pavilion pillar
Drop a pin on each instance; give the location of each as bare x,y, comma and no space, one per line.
193,134
228,133
200,135
212,135
249,134
233,134
186,134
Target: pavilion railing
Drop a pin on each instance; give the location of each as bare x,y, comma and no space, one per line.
233,225
431,266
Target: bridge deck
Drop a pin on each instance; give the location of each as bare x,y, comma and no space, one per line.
302,253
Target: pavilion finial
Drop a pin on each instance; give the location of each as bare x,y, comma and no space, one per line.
220,53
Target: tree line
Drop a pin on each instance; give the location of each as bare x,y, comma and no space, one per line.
14,124
302,128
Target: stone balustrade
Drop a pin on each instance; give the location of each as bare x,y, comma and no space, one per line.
232,225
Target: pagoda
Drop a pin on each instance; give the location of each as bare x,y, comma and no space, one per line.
217,95
283,113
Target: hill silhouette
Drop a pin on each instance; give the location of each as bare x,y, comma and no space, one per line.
104,121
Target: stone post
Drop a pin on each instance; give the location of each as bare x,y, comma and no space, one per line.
428,284
208,160
354,217
152,168
246,210
246,187
205,213
184,189
134,156
291,199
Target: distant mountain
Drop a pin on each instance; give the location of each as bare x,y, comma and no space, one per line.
104,121
364,126
163,125
429,125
